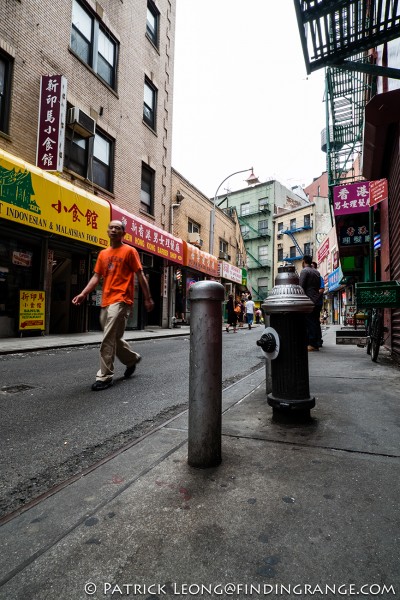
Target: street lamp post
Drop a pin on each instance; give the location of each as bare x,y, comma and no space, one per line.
251,180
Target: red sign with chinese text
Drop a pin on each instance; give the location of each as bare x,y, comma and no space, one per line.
147,237
323,250
52,111
198,260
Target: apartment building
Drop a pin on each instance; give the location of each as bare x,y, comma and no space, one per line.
86,93
299,231
256,207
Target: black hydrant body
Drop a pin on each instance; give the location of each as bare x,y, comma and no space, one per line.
287,306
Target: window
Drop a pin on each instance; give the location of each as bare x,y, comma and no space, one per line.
307,220
292,224
147,190
223,246
245,229
150,104
263,227
280,254
245,208
263,255
262,283
263,204
92,158
193,227
280,226
307,248
152,23
292,252
94,44
5,91
103,158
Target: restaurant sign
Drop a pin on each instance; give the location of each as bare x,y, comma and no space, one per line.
51,128
198,260
230,272
147,237
32,197
32,310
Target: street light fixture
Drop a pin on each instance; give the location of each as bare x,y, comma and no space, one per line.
251,180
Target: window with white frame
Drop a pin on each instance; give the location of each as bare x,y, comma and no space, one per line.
245,209
193,227
152,23
91,158
223,246
150,104
245,229
93,43
280,226
292,224
280,254
147,189
263,227
263,255
292,253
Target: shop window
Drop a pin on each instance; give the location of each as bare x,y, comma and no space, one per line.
152,23
150,104
94,44
147,190
5,91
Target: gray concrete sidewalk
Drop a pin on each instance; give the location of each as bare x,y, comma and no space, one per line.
294,510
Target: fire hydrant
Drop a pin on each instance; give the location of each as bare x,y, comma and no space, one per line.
285,343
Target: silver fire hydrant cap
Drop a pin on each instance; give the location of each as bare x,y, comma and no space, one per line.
287,295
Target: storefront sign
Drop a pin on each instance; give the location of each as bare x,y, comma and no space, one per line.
32,310
353,236
230,272
378,191
200,261
52,113
323,251
351,198
30,196
334,279
22,259
149,238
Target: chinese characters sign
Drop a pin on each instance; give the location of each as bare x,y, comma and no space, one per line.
353,236
52,111
378,191
200,261
351,198
230,272
323,250
31,310
334,279
149,238
32,197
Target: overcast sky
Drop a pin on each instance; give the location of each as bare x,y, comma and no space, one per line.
242,97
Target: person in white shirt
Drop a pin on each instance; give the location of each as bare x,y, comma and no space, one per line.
249,311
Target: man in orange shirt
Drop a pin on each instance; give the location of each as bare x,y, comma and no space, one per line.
117,266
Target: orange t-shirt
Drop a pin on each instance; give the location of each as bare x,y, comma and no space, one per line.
117,267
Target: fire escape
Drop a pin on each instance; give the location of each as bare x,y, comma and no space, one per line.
291,233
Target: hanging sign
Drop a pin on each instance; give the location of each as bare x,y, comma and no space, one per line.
378,191
52,114
351,198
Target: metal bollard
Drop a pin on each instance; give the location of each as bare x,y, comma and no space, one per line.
205,377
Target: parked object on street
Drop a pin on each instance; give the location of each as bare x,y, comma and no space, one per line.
205,376
287,306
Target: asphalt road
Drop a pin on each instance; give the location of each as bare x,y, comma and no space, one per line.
54,426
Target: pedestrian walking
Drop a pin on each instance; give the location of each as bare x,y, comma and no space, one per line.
258,316
249,311
319,303
117,266
232,315
310,281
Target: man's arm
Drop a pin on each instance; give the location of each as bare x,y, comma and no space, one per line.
144,284
93,282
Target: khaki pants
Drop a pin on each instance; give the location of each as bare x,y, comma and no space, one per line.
113,321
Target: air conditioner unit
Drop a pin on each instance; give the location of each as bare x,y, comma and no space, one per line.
223,256
194,238
81,122
147,260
